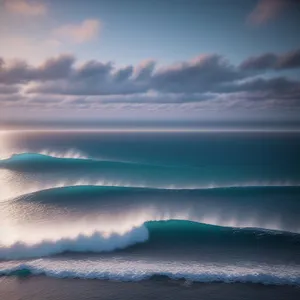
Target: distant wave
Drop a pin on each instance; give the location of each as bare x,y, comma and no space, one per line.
47,160
130,173
269,207
71,153
170,233
43,156
99,189
68,155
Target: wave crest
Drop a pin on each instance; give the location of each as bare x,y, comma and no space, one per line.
71,153
162,233
96,242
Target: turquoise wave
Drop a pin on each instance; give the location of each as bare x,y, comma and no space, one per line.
69,192
177,232
156,236
32,161
138,173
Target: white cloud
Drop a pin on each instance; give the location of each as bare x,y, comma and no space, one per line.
26,7
79,33
265,11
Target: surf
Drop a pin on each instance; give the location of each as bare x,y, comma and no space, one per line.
69,189
45,157
140,271
240,206
151,234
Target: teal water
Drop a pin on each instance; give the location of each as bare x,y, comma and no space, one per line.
128,206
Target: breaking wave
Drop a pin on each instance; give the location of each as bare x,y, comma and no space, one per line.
46,156
70,153
95,242
55,161
155,272
165,234
210,190
67,190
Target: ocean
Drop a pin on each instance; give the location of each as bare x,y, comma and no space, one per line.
145,214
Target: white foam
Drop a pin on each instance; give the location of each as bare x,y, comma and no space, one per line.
136,270
71,153
93,242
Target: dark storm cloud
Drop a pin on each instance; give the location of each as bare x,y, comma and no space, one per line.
267,61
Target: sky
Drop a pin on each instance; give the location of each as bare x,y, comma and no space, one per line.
155,60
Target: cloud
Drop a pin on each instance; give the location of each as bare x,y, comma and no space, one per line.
79,33
123,74
55,68
276,86
275,92
8,89
93,78
18,71
26,7
33,48
150,97
289,60
266,10
144,70
200,74
209,79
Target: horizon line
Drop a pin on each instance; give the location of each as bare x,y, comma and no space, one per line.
116,130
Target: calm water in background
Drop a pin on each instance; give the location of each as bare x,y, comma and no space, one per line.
131,206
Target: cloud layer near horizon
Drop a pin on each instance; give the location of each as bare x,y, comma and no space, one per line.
209,80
